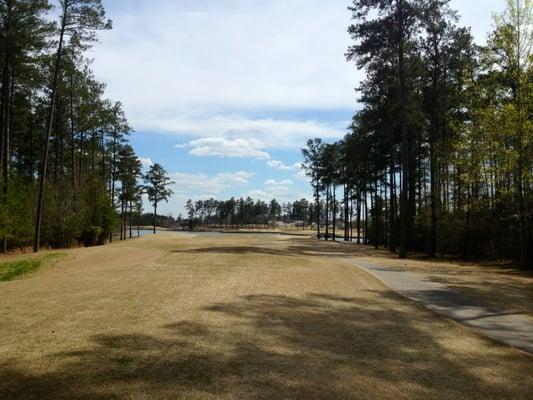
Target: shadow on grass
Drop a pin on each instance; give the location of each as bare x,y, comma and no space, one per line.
297,247
275,347
304,246
512,294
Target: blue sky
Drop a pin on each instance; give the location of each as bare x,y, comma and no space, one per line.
224,93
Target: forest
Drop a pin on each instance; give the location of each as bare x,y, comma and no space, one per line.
247,213
69,175
438,158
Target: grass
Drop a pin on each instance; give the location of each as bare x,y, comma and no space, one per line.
242,317
16,269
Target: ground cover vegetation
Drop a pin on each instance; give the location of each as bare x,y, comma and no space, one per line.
15,269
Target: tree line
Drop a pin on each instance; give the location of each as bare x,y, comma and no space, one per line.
248,213
68,173
439,157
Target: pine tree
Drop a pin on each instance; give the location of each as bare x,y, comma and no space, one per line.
157,183
80,19
383,30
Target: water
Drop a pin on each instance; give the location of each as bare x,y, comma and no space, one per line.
230,234
148,232
341,239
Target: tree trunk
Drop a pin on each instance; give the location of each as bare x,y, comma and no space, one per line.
30,140
358,216
5,112
392,207
93,152
318,205
346,214
376,216
113,172
102,144
131,219
72,134
327,213
80,166
49,123
155,216
404,205
432,151
351,215
121,220
525,260
334,208
365,203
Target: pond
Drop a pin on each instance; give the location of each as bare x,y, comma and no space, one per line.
147,232
229,234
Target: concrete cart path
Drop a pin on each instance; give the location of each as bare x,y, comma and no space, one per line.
509,328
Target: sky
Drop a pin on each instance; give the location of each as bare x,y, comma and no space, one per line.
225,93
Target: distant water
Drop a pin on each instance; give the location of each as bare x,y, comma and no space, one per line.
148,232
218,234
341,239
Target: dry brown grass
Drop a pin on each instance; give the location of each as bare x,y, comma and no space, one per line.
264,317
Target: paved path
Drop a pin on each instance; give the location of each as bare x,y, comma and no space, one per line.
508,328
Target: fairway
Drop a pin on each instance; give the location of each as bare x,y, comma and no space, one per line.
174,316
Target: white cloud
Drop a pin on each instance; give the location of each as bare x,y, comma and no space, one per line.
202,184
276,164
261,133
283,55
240,148
254,54
176,76
146,162
281,193
272,182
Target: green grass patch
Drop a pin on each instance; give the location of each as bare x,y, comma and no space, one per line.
17,269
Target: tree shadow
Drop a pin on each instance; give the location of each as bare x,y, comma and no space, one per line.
297,247
319,346
236,250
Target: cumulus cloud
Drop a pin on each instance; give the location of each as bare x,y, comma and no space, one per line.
202,184
243,61
279,192
276,164
257,75
146,162
259,132
275,189
256,55
272,182
239,148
